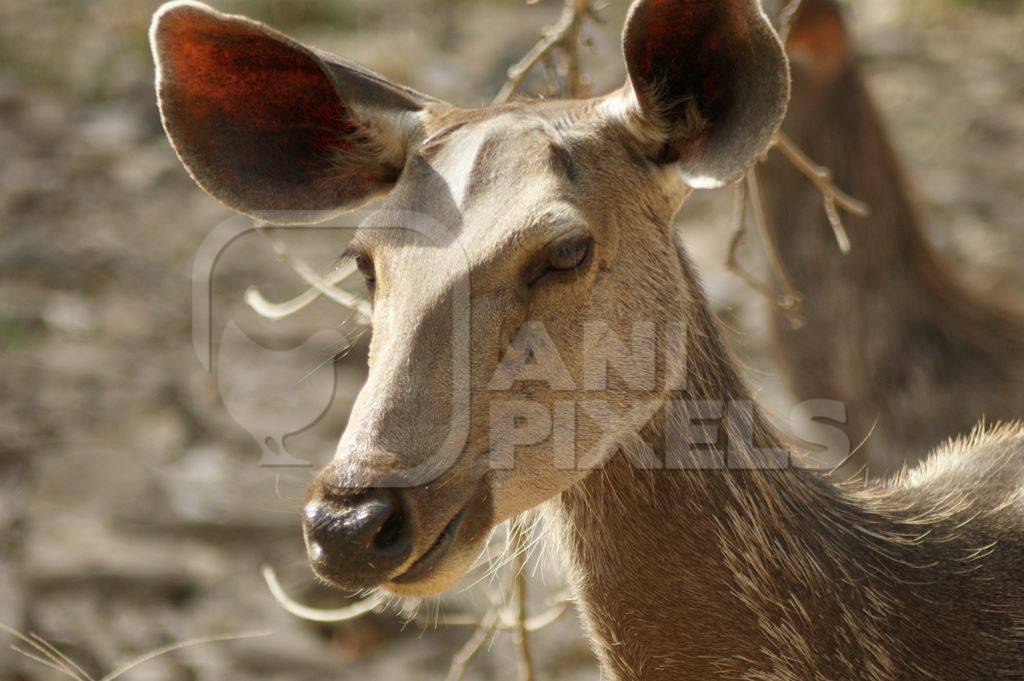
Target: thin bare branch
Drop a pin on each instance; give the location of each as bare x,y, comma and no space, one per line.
320,286
571,47
117,673
551,615
554,612
57,660
791,299
563,37
39,660
461,659
55,652
551,74
311,614
749,190
276,311
747,194
358,305
46,654
519,539
833,197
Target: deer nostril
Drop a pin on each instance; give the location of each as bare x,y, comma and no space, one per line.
358,538
392,535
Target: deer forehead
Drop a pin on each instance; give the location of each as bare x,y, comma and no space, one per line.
476,192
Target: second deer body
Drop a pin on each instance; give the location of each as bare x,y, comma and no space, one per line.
890,330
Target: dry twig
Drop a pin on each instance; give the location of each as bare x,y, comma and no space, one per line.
461,659
293,607
748,193
563,37
518,543
276,311
833,199
507,621
833,196
318,286
45,653
178,646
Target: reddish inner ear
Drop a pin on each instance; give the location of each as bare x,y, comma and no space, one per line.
689,52
255,117
819,35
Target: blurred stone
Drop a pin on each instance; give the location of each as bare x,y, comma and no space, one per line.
141,170
127,317
46,118
70,314
210,487
13,594
111,128
158,435
63,551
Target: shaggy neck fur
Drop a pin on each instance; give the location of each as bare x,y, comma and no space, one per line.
745,574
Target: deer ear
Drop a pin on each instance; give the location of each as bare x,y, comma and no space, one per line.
818,38
708,84
270,127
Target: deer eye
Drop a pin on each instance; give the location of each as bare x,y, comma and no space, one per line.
570,255
365,267
561,259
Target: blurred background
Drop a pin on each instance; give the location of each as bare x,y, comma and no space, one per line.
134,511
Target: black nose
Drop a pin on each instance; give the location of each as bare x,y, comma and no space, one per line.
358,539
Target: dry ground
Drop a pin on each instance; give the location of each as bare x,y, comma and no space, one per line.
133,511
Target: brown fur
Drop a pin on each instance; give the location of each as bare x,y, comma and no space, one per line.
752,569
785,576
890,330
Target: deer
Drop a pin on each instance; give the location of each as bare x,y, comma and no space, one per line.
889,330
540,339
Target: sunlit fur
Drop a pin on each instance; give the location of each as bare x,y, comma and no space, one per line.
741,572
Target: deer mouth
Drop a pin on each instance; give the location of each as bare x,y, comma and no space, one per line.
426,563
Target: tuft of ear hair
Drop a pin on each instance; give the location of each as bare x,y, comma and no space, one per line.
270,127
708,84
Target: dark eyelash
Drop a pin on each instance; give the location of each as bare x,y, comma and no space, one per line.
353,254
542,271
347,256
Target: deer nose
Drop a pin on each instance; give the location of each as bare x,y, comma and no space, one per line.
357,540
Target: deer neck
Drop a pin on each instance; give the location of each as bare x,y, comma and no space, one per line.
676,570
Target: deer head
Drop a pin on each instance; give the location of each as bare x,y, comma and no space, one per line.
519,251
